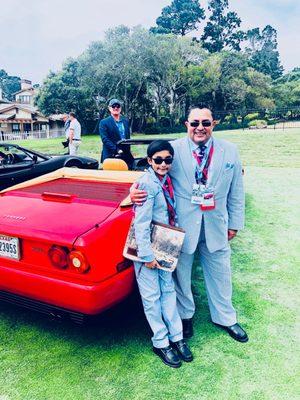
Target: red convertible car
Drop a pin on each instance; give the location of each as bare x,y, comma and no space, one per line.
61,242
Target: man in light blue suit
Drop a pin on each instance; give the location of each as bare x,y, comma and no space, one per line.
207,179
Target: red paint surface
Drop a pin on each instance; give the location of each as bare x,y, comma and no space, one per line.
91,221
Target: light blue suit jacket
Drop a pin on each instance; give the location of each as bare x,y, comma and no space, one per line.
225,176
153,209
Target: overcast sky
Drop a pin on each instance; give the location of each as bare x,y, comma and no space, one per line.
37,35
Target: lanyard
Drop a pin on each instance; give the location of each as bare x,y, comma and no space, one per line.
169,196
170,199
201,170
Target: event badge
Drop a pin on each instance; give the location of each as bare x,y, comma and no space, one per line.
208,201
203,196
197,194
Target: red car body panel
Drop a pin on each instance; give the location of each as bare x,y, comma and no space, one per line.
79,215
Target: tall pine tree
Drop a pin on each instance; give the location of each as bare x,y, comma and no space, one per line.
263,53
221,31
181,17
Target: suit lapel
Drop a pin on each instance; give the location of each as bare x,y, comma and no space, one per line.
186,161
115,128
215,167
153,174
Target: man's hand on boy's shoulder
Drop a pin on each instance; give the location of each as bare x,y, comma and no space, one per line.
137,196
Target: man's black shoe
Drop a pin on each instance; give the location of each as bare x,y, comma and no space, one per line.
168,356
187,328
236,332
182,350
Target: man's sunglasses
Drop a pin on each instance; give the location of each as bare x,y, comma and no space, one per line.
116,106
206,123
160,160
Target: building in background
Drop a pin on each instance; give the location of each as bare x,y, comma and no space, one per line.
21,119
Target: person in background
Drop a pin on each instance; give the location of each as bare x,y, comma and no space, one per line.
208,185
66,120
156,286
74,134
113,129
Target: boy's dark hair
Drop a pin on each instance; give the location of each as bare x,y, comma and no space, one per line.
159,145
72,114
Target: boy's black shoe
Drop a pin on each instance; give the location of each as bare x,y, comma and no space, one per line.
187,328
168,356
182,350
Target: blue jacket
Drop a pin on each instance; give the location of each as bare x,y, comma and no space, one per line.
110,136
153,209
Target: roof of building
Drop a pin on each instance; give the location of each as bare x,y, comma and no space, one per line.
24,90
32,110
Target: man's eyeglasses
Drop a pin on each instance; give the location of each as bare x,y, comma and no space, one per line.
206,123
160,160
116,106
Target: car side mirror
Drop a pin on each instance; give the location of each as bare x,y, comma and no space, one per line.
35,158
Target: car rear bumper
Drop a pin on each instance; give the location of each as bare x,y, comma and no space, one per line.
71,297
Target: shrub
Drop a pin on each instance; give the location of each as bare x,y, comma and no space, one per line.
228,126
251,117
258,123
155,129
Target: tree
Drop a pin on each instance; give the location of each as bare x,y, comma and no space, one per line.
221,31
262,51
181,17
286,90
225,82
9,84
63,92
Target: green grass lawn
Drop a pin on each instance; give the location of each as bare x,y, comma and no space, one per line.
112,358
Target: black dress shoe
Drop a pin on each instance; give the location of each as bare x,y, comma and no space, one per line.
182,350
187,328
168,356
236,332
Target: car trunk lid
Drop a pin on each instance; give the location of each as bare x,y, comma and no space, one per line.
59,211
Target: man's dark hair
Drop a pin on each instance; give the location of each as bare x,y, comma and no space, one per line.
159,145
72,114
200,107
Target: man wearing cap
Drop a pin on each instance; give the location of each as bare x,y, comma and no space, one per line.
113,129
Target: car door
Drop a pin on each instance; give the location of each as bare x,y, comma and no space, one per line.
15,166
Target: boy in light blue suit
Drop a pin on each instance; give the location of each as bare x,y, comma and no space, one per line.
214,165
156,286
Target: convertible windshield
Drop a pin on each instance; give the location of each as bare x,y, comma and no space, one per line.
13,155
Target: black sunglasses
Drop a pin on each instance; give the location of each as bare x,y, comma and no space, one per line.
116,106
160,160
206,123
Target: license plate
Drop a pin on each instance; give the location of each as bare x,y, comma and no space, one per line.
9,247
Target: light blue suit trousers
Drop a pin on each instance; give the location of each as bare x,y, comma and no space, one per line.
158,295
217,278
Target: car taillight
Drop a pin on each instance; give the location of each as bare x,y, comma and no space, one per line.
58,257
78,262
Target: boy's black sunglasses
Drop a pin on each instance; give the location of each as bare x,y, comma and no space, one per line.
206,123
116,106
159,160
